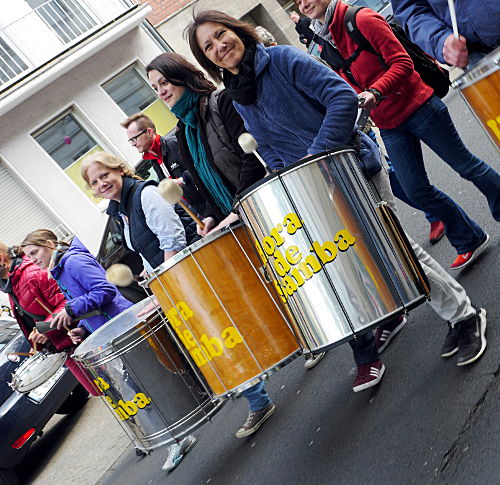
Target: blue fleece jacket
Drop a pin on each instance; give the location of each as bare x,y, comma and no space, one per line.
428,22
302,106
83,281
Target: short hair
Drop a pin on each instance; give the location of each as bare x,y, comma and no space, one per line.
40,237
178,71
108,160
243,30
265,36
143,122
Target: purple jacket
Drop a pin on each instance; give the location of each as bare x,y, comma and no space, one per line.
83,281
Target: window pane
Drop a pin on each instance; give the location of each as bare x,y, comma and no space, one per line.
10,63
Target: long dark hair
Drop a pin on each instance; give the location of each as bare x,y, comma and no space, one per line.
244,31
180,72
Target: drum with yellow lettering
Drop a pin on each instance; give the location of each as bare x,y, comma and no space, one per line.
480,87
340,267
223,311
151,385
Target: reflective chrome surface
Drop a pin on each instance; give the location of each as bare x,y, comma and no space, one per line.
151,386
333,263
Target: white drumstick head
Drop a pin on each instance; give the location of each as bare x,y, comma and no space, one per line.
120,275
170,191
247,143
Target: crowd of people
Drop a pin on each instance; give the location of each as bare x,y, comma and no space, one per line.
269,92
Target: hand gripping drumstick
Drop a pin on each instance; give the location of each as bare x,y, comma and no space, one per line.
49,312
249,145
172,193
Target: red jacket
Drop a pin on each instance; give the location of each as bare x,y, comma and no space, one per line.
401,86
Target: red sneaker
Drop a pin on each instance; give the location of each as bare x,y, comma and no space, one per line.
465,259
369,375
437,232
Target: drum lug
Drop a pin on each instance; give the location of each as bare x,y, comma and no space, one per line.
140,452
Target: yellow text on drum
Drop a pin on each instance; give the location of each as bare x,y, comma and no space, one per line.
290,264
207,348
124,409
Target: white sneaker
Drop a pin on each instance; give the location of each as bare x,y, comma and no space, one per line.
177,451
313,360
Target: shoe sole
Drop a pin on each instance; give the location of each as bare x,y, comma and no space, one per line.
477,252
251,431
310,363
376,381
450,353
392,335
482,317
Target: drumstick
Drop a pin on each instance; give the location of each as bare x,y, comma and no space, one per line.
249,145
172,193
453,15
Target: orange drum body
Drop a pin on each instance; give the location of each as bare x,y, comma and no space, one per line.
481,89
223,311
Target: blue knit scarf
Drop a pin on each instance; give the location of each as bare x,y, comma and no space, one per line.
186,109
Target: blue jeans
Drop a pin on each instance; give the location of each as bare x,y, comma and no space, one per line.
432,124
257,396
364,349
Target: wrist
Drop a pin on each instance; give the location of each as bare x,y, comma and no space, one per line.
376,93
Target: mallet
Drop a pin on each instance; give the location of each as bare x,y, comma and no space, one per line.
120,275
172,193
249,145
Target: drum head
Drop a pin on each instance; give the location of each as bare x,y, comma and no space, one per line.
35,370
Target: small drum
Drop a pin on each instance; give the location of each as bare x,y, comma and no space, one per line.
36,370
152,388
333,261
225,314
480,87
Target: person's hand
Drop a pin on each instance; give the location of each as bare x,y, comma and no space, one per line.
38,338
209,224
455,51
77,335
232,217
61,320
294,17
367,100
153,305
179,181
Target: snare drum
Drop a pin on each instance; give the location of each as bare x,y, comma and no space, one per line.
226,315
480,87
334,263
152,388
36,370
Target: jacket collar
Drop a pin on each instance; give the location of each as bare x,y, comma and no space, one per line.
115,208
262,59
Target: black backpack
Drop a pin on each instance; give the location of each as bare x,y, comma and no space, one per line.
430,71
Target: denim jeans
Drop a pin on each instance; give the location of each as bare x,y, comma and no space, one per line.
257,396
364,349
432,124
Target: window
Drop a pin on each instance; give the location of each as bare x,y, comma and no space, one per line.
11,64
132,93
68,143
66,18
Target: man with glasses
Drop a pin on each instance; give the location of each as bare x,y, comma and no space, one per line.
164,152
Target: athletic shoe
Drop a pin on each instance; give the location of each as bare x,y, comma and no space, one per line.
255,420
450,345
437,232
385,333
313,360
177,452
369,375
471,338
465,259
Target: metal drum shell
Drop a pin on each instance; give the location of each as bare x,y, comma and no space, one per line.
362,282
218,301
152,388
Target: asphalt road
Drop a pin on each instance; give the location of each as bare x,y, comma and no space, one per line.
430,422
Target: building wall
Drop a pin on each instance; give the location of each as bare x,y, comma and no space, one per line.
100,115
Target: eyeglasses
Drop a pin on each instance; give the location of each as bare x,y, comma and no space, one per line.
133,139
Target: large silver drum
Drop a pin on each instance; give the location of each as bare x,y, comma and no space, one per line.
148,382
340,266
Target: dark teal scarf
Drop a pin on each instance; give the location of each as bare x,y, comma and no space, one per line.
186,109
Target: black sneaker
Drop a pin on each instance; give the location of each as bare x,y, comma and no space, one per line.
471,338
255,420
450,345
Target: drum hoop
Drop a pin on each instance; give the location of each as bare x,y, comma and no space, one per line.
484,68
185,253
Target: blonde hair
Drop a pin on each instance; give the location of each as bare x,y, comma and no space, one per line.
107,160
41,237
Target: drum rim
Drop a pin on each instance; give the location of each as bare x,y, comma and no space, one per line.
243,196
59,359
186,252
484,68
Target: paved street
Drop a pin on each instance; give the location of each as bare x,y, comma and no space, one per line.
429,423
